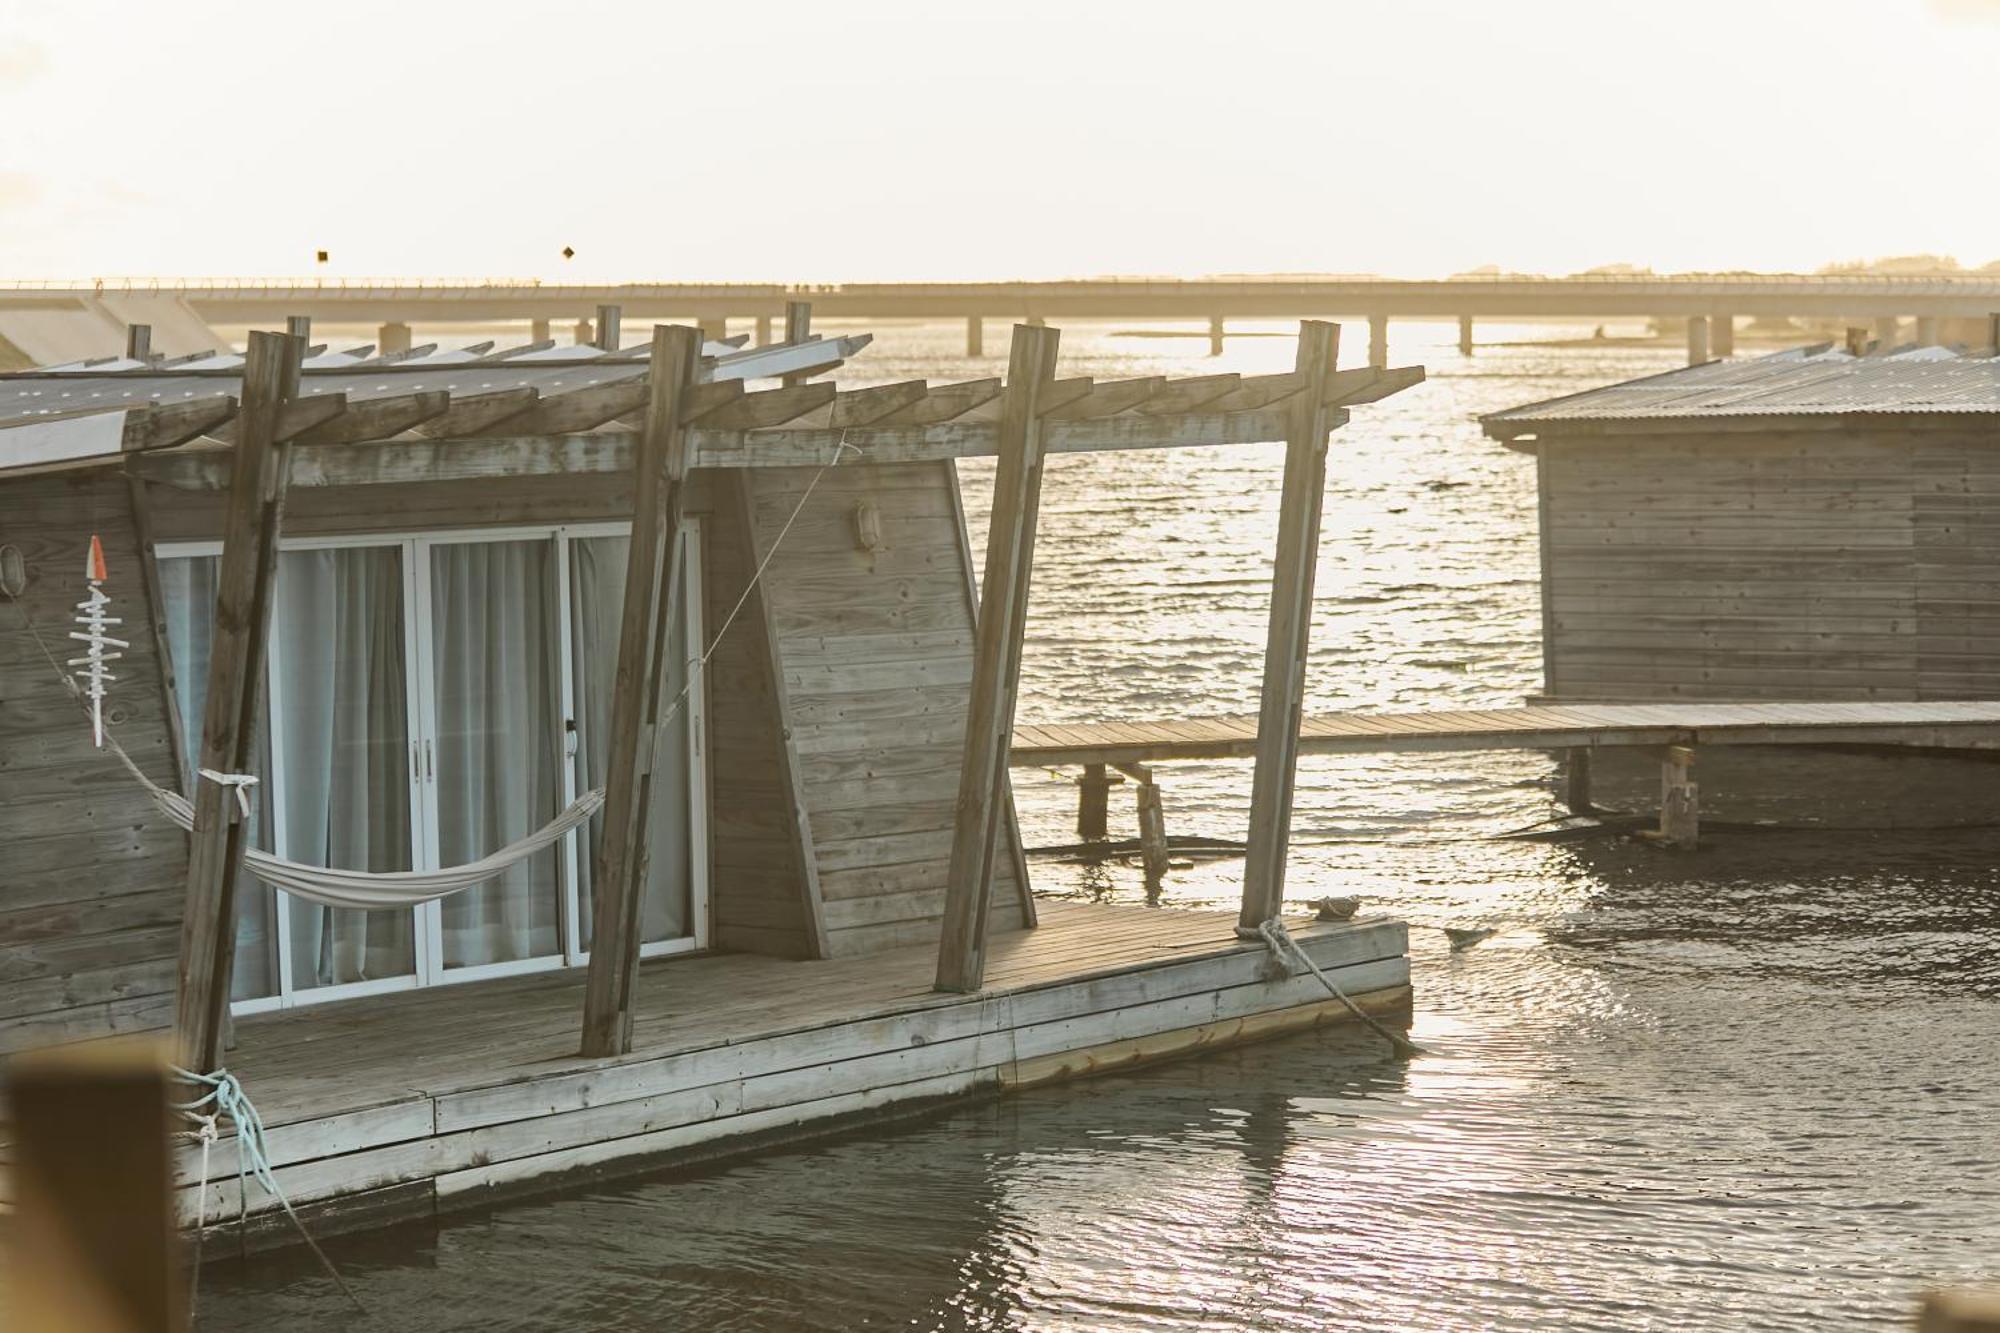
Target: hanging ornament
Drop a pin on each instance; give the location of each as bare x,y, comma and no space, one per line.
90,615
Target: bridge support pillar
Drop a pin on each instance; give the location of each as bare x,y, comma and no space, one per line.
1887,329
392,338
1927,331
1378,341
763,338
715,329
1037,322
1465,335
538,330
1215,335
1723,334
1697,339
583,334
975,336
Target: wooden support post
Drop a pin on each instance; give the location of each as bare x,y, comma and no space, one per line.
300,327
1003,605
1291,625
1093,801
538,330
798,328
1679,799
1697,340
763,328
1465,335
639,696
1576,780
95,1245
1152,828
244,589
1378,342
139,342
608,331
1215,335
392,338
1722,333
975,336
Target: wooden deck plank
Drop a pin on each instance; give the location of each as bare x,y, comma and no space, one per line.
1544,726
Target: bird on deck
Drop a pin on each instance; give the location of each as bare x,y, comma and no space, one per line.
1463,938
1335,909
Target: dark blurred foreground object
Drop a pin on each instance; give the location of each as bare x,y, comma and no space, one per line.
95,1248
1965,1310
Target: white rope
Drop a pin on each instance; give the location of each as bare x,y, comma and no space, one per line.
240,783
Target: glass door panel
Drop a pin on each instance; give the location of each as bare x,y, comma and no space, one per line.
187,585
597,593
341,727
496,777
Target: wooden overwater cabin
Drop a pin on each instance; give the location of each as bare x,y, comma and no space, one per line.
1809,525
695,677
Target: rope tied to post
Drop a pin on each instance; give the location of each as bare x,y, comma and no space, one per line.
240,783
1287,951
223,1097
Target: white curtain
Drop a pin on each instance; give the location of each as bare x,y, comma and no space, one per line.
597,598
494,658
342,701
187,584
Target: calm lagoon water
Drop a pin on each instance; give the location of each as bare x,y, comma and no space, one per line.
1755,1087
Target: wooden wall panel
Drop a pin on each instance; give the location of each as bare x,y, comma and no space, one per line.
876,649
1957,504
91,876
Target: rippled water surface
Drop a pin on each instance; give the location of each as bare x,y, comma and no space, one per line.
1755,1087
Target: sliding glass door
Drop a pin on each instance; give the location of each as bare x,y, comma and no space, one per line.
432,699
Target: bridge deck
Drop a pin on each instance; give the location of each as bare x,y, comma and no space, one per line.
1550,726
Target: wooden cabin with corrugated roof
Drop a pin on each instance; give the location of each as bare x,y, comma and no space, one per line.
1809,525
522,761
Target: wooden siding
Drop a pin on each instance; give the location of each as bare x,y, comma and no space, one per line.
1843,565
876,649
91,878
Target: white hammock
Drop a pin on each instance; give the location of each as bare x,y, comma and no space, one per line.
367,889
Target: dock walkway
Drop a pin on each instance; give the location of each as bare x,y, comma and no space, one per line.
1546,727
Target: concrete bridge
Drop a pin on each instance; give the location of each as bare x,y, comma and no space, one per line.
1710,303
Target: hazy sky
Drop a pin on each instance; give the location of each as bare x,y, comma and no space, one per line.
854,140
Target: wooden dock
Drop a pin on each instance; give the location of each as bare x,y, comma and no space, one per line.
1548,727
409,1103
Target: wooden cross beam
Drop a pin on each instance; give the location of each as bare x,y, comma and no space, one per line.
244,590
996,669
639,699
1307,417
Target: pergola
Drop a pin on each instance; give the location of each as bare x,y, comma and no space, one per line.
656,417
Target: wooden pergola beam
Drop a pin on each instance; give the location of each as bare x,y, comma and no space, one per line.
244,589
301,416
771,407
1285,644
1107,398
579,409
1003,605
944,402
639,693
470,414
378,418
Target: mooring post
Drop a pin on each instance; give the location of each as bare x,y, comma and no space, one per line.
1680,804
1283,695
139,342
1576,780
244,588
1093,801
95,1245
608,331
639,693
1152,826
996,663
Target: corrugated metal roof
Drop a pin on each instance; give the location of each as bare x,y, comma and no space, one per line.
1812,381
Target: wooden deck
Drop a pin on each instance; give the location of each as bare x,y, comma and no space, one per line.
1548,727
400,1105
